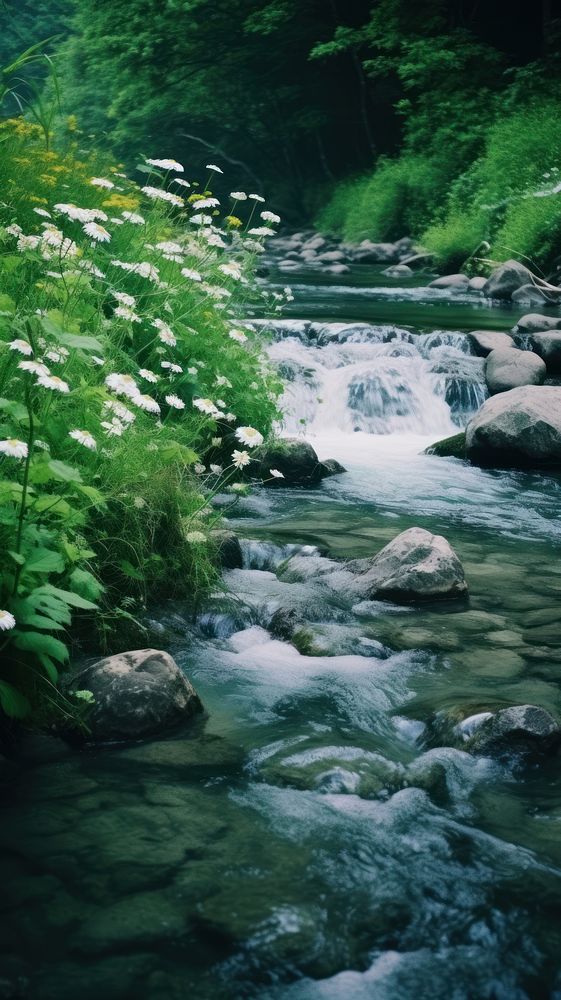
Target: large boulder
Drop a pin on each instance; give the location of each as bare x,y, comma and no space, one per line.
453,281
485,341
536,323
506,279
414,566
295,459
375,253
507,368
520,428
533,295
137,694
548,345
477,283
520,729
398,271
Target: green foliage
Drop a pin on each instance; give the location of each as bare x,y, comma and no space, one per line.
125,366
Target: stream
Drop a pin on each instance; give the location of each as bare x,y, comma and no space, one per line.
322,835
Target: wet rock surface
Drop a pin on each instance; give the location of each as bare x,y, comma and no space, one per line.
415,566
521,427
137,694
507,368
520,729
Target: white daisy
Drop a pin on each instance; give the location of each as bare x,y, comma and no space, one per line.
43,212
165,333
179,180
35,367
96,232
113,429
238,195
195,537
146,403
98,361
53,382
176,369
256,197
206,203
238,335
120,410
14,229
276,474
28,243
240,459
216,442
205,406
270,217
231,270
58,356
168,246
175,402
84,438
123,385
201,220
158,195
135,218
262,231
188,272
249,436
123,312
213,239
125,299
167,165
212,166
117,222
222,380
14,448
22,346
146,374
217,469
102,182
7,621
199,468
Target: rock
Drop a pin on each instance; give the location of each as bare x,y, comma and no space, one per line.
398,271
287,265
315,243
507,368
137,694
535,322
477,284
459,281
229,550
296,459
485,341
520,729
548,346
375,253
507,279
450,447
332,256
414,566
285,622
418,260
331,467
337,269
531,295
518,428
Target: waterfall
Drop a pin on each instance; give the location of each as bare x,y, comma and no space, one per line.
375,379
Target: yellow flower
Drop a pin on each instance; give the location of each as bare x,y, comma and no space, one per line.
71,123
40,201
47,179
121,201
233,221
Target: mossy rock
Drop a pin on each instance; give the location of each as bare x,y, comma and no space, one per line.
450,447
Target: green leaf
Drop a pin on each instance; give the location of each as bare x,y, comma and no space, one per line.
13,702
65,473
48,666
74,600
17,557
7,304
53,504
16,410
50,605
40,621
86,585
37,642
129,570
84,343
44,561
91,493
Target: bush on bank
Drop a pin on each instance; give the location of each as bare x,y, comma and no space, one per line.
130,392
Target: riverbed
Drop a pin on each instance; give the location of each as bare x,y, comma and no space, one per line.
321,834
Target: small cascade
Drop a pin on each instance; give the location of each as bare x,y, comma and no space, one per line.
377,379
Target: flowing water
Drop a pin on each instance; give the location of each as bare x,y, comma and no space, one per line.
323,835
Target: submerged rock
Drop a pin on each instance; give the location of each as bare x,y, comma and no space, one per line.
520,729
295,459
507,368
531,295
414,566
398,271
331,467
375,253
535,322
459,281
485,341
519,428
506,279
450,447
548,345
137,694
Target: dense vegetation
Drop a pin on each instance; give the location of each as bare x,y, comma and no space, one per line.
130,392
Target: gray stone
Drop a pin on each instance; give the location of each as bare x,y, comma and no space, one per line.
520,729
458,281
507,368
418,260
531,295
414,566
506,279
137,694
477,284
331,467
228,548
296,459
485,341
332,256
548,346
337,269
535,322
398,271
375,253
519,428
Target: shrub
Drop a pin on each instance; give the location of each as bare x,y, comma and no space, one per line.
125,367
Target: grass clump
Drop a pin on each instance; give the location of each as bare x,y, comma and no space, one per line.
130,392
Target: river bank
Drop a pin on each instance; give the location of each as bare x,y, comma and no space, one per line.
323,832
